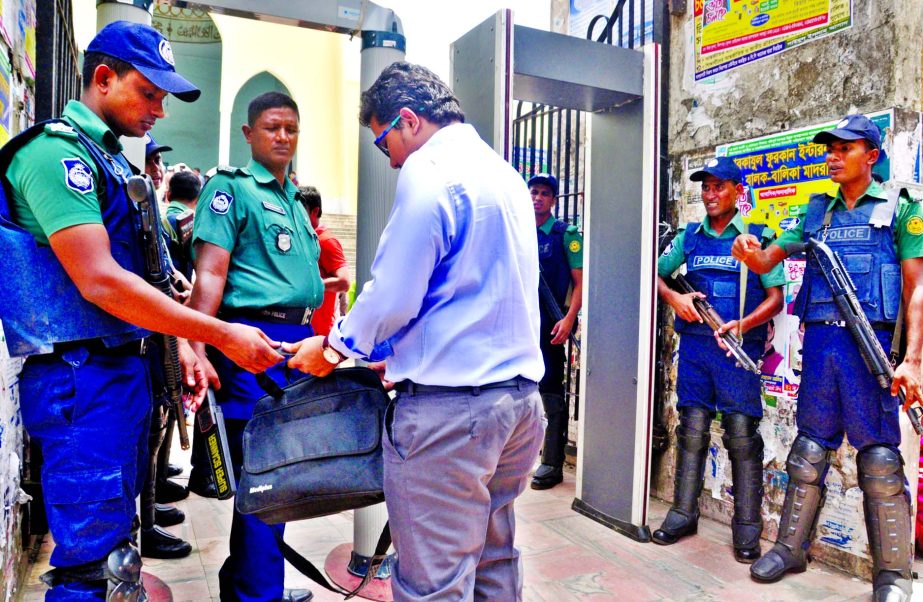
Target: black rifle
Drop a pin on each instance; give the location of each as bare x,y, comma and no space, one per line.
211,422
159,270
844,295
551,305
714,321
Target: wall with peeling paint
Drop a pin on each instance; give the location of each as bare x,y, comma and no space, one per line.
11,552
872,66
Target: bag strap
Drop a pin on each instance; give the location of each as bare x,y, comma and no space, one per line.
269,385
306,568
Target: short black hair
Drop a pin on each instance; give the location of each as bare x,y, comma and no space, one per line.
92,60
413,86
310,198
269,100
184,186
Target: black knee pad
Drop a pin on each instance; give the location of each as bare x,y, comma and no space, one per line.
807,461
693,433
741,438
881,471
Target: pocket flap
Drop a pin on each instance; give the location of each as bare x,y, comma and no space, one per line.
722,289
343,424
83,487
858,264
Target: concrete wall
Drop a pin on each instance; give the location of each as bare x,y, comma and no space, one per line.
12,556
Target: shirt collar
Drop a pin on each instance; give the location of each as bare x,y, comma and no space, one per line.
547,225
262,175
736,222
875,192
92,125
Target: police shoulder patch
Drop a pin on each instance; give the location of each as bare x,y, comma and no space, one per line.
221,202
77,175
574,246
915,225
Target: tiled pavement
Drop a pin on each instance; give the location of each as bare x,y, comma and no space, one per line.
566,557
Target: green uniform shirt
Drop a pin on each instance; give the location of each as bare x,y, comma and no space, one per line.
573,243
42,201
908,231
273,247
674,256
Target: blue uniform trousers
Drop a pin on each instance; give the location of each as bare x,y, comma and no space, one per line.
90,411
254,570
710,380
838,394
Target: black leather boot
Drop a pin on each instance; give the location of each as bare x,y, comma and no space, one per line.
692,438
807,468
157,543
551,472
167,516
168,492
745,448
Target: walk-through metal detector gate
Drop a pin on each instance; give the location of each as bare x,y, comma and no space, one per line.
497,62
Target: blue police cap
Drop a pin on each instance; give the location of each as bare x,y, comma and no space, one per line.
547,179
722,168
151,146
852,127
146,50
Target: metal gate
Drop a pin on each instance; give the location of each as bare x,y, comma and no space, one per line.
549,140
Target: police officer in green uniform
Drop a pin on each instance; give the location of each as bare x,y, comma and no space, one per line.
560,254
256,263
879,236
74,300
708,381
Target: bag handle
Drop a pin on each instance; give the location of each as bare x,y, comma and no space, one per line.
306,568
270,386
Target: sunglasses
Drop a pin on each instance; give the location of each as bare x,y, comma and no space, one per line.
380,142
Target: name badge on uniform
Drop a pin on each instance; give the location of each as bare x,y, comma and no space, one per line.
284,241
273,208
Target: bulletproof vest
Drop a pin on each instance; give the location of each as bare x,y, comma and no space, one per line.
711,269
864,240
39,304
552,258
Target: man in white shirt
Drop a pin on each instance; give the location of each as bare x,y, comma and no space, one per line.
453,306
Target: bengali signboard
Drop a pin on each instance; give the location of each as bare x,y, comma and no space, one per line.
731,33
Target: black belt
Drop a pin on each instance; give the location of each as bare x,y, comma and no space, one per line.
97,347
277,314
412,388
884,326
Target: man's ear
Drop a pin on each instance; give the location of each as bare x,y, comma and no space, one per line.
410,119
102,78
873,156
248,131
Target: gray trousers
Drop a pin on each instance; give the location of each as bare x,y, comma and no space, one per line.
454,464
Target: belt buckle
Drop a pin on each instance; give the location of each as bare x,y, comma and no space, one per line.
308,314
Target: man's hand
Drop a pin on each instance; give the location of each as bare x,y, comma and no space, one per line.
683,306
194,377
745,247
250,348
562,330
907,376
735,326
379,368
309,356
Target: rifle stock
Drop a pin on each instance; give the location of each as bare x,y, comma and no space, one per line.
158,269
714,321
844,295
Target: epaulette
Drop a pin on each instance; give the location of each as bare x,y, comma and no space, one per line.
233,171
61,129
572,229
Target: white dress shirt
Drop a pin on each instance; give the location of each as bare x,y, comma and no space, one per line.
453,298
